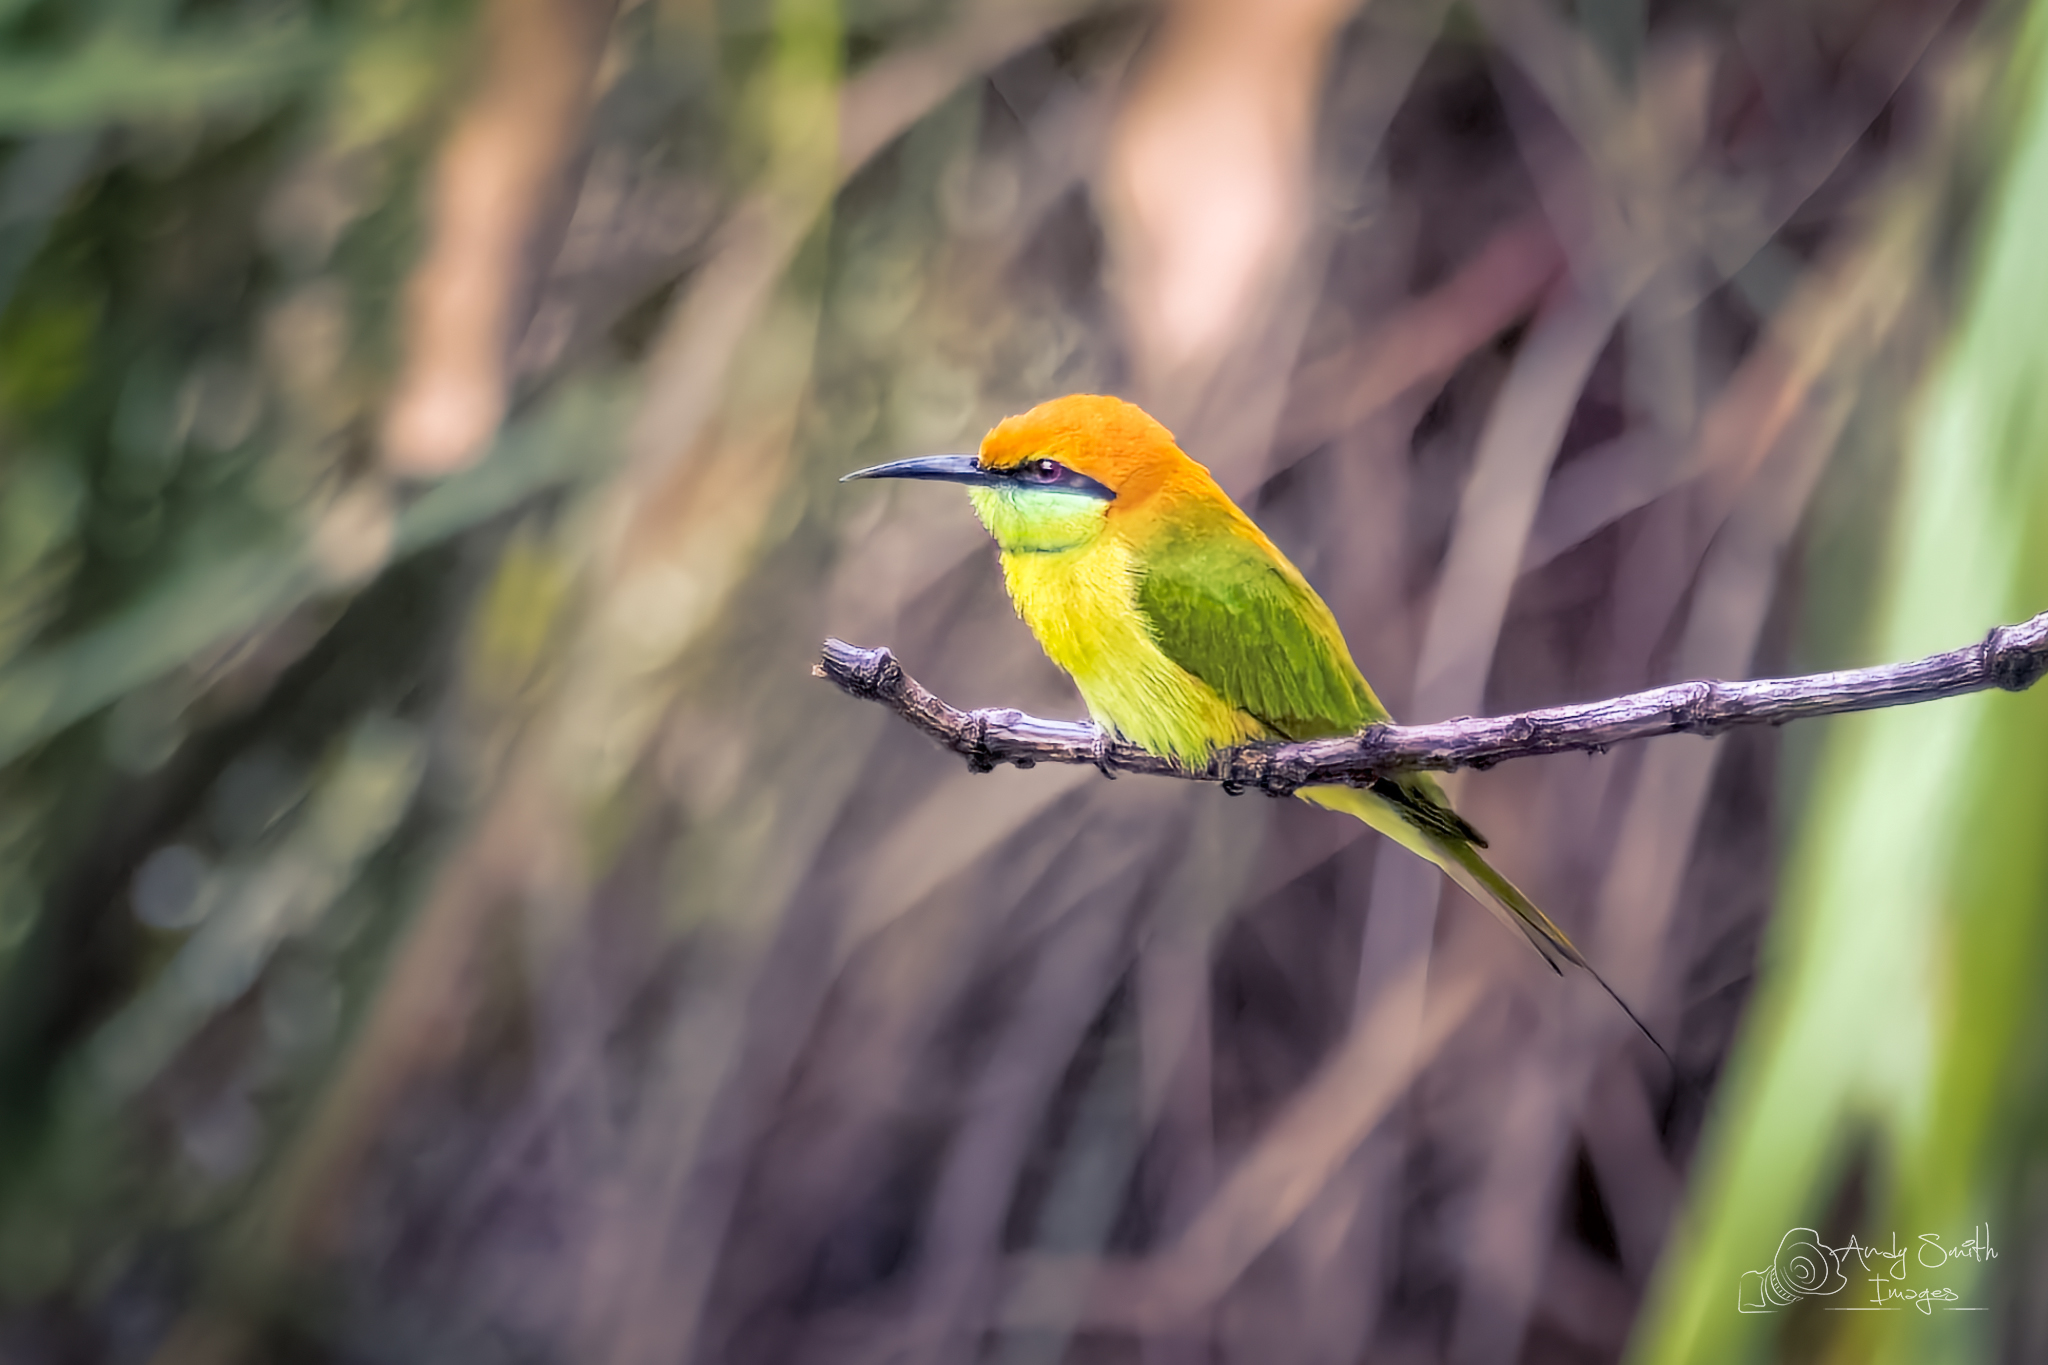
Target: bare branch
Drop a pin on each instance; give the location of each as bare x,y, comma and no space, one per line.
2010,657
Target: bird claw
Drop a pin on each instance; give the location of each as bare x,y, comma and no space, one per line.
979,759
1102,755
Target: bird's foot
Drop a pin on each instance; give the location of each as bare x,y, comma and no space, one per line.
979,759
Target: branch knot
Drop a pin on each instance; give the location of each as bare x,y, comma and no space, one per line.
870,674
2015,661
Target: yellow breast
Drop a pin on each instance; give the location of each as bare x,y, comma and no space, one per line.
1082,604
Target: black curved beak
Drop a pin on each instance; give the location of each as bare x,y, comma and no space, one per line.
947,468
1044,475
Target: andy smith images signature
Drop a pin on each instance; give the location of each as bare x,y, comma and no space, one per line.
1870,1278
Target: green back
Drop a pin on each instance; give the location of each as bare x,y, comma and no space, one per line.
1242,619
1237,615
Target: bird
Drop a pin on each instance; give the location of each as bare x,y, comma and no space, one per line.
1186,629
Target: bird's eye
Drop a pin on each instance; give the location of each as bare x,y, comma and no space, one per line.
1047,471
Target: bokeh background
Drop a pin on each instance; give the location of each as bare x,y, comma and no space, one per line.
441,918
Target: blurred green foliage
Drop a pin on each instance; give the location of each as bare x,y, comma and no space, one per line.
1886,1080
207,212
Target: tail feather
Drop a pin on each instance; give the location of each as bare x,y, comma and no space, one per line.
1463,864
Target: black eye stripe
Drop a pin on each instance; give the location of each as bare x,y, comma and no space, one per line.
1051,476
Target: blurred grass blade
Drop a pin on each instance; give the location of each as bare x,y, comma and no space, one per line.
1909,940
217,601
115,78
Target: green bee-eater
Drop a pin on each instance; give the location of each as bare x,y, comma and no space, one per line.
1184,627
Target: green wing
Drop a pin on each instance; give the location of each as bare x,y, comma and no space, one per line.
1244,621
